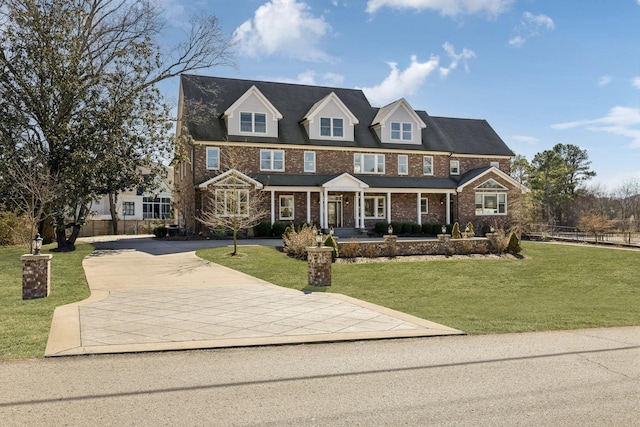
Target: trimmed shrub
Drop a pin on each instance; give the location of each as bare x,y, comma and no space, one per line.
278,229
416,228
160,232
513,247
371,251
330,241
427,228
397,228
497,241
263,229
470,233
380,228
455,232
296,242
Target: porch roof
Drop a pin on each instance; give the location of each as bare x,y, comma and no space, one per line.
373,181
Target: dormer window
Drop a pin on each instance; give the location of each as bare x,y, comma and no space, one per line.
253,122
401,131
331,127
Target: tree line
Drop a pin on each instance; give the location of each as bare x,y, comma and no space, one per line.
560,195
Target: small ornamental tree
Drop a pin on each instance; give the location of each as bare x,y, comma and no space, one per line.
513,247
331,242
455,233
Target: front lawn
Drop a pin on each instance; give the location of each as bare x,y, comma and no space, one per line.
25,324
554,287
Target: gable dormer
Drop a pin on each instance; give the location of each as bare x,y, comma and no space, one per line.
330,119
398,123
252,115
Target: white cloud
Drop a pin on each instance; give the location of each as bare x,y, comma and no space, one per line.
492,8
309,78
399,84
530,26
636,80
620,121
529,140
456,58
604,81
296,36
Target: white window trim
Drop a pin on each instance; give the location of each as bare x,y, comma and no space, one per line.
224,192
424,163
253,124
406,164
495,164
376,158
497,194
426,200
280,206
304,161
454,170
376,207
402,138
331,128
271,159
217,150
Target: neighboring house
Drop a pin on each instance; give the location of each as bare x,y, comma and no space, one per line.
134,205
325,155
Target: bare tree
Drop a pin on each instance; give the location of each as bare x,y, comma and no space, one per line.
593,223
233,205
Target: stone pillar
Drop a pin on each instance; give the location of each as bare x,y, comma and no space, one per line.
390,245
319,262
36,276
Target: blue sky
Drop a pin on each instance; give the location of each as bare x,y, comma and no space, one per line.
541,72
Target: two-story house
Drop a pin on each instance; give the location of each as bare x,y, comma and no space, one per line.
326,155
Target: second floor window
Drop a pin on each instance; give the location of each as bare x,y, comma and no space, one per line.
331,127
401,131
272,160
454,167
427,165
309,161
213,158
253,122
403,164
368,163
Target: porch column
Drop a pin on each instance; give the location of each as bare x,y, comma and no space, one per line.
418,208
361,209
356,209
308,207
326,208
388,207
273,206
448,208
321,207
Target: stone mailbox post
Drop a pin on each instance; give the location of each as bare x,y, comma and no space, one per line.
319,262
36,276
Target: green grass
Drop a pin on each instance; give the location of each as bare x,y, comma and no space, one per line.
25,324
554,287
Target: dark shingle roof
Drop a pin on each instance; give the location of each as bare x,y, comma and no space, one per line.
462,136
374,181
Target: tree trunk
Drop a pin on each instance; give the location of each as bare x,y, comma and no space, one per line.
113,200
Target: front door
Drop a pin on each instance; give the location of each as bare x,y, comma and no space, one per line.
334,213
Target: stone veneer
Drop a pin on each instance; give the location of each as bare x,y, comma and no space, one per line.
392,247
319,262
36,276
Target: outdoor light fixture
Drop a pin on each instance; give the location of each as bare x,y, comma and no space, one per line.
331,231
492,229
37,244
390,229
442,200
444,229
319,238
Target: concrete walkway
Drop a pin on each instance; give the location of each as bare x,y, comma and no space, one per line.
149,295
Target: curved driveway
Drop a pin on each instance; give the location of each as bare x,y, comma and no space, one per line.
150,295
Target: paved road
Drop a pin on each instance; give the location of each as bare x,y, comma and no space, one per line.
587,377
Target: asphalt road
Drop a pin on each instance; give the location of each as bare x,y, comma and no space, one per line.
585,377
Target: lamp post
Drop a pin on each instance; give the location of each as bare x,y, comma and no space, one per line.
444,229
319,238
390,230
37,244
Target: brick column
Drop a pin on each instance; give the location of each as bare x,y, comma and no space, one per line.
390,245
36,276
319,262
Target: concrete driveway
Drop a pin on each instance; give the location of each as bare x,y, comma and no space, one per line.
152,295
